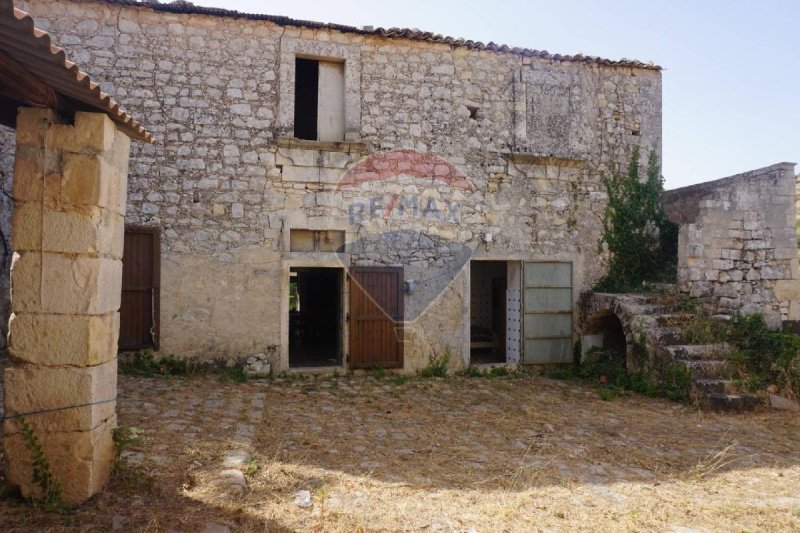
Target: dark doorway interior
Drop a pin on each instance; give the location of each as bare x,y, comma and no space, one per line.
489,281
315,310
306,98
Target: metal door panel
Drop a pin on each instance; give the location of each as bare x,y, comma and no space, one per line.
547,316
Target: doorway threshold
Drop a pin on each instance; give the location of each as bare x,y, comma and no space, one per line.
489,366
318,370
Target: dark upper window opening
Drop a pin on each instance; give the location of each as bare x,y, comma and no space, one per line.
306,96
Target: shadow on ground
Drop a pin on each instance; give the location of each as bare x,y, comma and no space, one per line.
454,454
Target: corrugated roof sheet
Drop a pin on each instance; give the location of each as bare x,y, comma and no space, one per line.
31,47
181,6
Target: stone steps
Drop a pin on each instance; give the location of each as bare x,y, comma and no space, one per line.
702,387
662,320
698,352
714,369
712,386
732,403
672,319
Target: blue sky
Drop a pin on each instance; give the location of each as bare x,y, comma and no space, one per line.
732,78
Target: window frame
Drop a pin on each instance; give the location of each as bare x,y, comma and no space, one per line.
349,54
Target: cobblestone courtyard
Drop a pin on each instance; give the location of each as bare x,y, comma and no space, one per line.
463,454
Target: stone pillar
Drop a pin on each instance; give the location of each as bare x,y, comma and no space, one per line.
69,193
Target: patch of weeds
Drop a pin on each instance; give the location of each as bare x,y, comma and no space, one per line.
125,437
399,379
702,330
144,364
607,394
129,476
498,372
252,468
712,463
561,373
437,365
472,372
607,367
378,372
49,487
234,373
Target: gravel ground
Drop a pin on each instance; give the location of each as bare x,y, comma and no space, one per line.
518,453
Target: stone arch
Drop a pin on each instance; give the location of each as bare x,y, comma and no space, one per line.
615,318
605,328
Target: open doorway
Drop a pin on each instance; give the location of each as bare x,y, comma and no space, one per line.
315,311
488,312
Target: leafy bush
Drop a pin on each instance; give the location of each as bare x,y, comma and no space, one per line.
764,357
642,243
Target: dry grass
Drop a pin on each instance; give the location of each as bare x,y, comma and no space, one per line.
463,454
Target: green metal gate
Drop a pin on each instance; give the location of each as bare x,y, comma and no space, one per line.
547,322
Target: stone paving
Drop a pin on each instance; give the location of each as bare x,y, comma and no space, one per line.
462,454
217,416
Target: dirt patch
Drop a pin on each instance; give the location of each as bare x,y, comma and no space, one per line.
462,454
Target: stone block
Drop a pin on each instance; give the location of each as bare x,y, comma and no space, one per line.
722,264
92,133
76,340
91,180
59,283
80,461
330,175
779,402
336,159
296,157
77,229
787,289
31,388
300,174
32,123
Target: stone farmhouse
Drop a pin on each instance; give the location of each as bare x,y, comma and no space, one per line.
352,197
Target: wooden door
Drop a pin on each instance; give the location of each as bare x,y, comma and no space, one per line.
376,317
140,289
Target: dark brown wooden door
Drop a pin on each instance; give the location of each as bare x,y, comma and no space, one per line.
139,310
376,317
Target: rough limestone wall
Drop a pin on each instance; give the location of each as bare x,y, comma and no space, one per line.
737,242
7,144
225,195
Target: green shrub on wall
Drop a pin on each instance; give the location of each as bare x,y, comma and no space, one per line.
642,243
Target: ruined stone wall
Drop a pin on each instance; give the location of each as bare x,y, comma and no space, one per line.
737,242
531,137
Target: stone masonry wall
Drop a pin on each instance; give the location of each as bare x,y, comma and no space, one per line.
737,242
531,137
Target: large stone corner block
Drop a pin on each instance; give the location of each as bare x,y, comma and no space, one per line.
80,461
32,125
92,133
75,399
88,179
65,283
52,340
